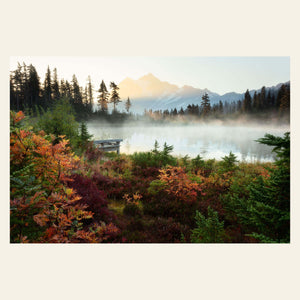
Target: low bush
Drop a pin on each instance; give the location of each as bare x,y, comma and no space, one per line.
92,197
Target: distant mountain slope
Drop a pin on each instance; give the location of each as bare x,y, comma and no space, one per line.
148,92
146,87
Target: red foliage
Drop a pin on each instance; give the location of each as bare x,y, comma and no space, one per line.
92,197
157,230
42,208
92,152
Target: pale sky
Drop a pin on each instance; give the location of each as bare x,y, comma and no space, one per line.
218,74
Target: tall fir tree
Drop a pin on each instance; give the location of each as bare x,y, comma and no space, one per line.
127,104
247,102
47,92
269,100
283,99
55,86
221,108
76,92
263,98
205,105
103,97
114,97
34,87
90,94
255,104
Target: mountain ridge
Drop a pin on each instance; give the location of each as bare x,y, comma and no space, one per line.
149,92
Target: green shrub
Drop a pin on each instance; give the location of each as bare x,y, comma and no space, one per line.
228,163
60,120
208,230
154,158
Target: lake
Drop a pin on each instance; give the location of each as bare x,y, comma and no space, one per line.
208,140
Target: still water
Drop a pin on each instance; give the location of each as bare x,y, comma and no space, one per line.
210,141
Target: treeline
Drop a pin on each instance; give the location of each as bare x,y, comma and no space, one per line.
265,103
28,93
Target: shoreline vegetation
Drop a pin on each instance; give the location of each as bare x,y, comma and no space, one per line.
64,190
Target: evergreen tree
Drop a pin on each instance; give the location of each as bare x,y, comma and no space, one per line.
205,105
25,88
280,94
103,97
34,85
55,86
127,104
76,92
269,100
208,230
255,102
47,93
189,110
263,98
68,90
84,137
114,97
17,80
247,103
85,97
283,99
221,108
63,89
90,94
239,106
12,92
265,212
270,198
228,163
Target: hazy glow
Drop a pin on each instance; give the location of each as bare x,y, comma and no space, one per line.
218,74
212,140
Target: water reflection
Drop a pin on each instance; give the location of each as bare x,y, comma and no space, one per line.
210,141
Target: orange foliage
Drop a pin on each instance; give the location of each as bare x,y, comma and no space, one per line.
179,184
52,206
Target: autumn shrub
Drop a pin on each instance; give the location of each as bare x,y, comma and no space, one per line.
92,153
115,188
213,187
42,207
118,165
174,195
146,172
133,206
92,197
166,230
155,230
178,184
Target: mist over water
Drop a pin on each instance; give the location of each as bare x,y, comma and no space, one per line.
208,140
